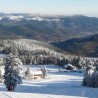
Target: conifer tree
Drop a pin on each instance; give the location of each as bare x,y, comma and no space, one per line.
44,71
11,75
0,75
95,77
88,79
28,74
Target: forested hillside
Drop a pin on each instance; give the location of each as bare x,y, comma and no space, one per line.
85,46
47,28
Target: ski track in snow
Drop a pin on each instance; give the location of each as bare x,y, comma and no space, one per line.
4,95
56,85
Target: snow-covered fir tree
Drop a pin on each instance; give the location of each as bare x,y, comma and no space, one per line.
28,74
44,71
90,75
95,77
11,75
0,75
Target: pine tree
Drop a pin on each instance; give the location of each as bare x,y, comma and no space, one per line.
0,75
95,77
14,50
88,79
11,75
28,74
44,71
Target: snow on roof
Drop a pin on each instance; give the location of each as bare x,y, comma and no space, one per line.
35,72
67,65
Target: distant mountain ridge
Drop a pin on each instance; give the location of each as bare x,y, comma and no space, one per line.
46,28
86,46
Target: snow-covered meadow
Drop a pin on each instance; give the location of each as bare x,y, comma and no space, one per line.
56,85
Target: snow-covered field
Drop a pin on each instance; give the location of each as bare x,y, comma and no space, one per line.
56,85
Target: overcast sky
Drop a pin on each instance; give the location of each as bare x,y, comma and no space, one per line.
55,7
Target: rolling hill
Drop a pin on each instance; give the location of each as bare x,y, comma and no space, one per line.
86,46
46,28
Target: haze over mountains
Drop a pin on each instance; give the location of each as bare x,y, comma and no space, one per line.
64,32
46,28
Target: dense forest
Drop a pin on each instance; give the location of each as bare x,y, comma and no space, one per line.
85,46
34,52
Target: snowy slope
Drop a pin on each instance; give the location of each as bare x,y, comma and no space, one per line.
27,17
56,85
29,44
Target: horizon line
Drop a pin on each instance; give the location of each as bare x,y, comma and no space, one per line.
41,14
